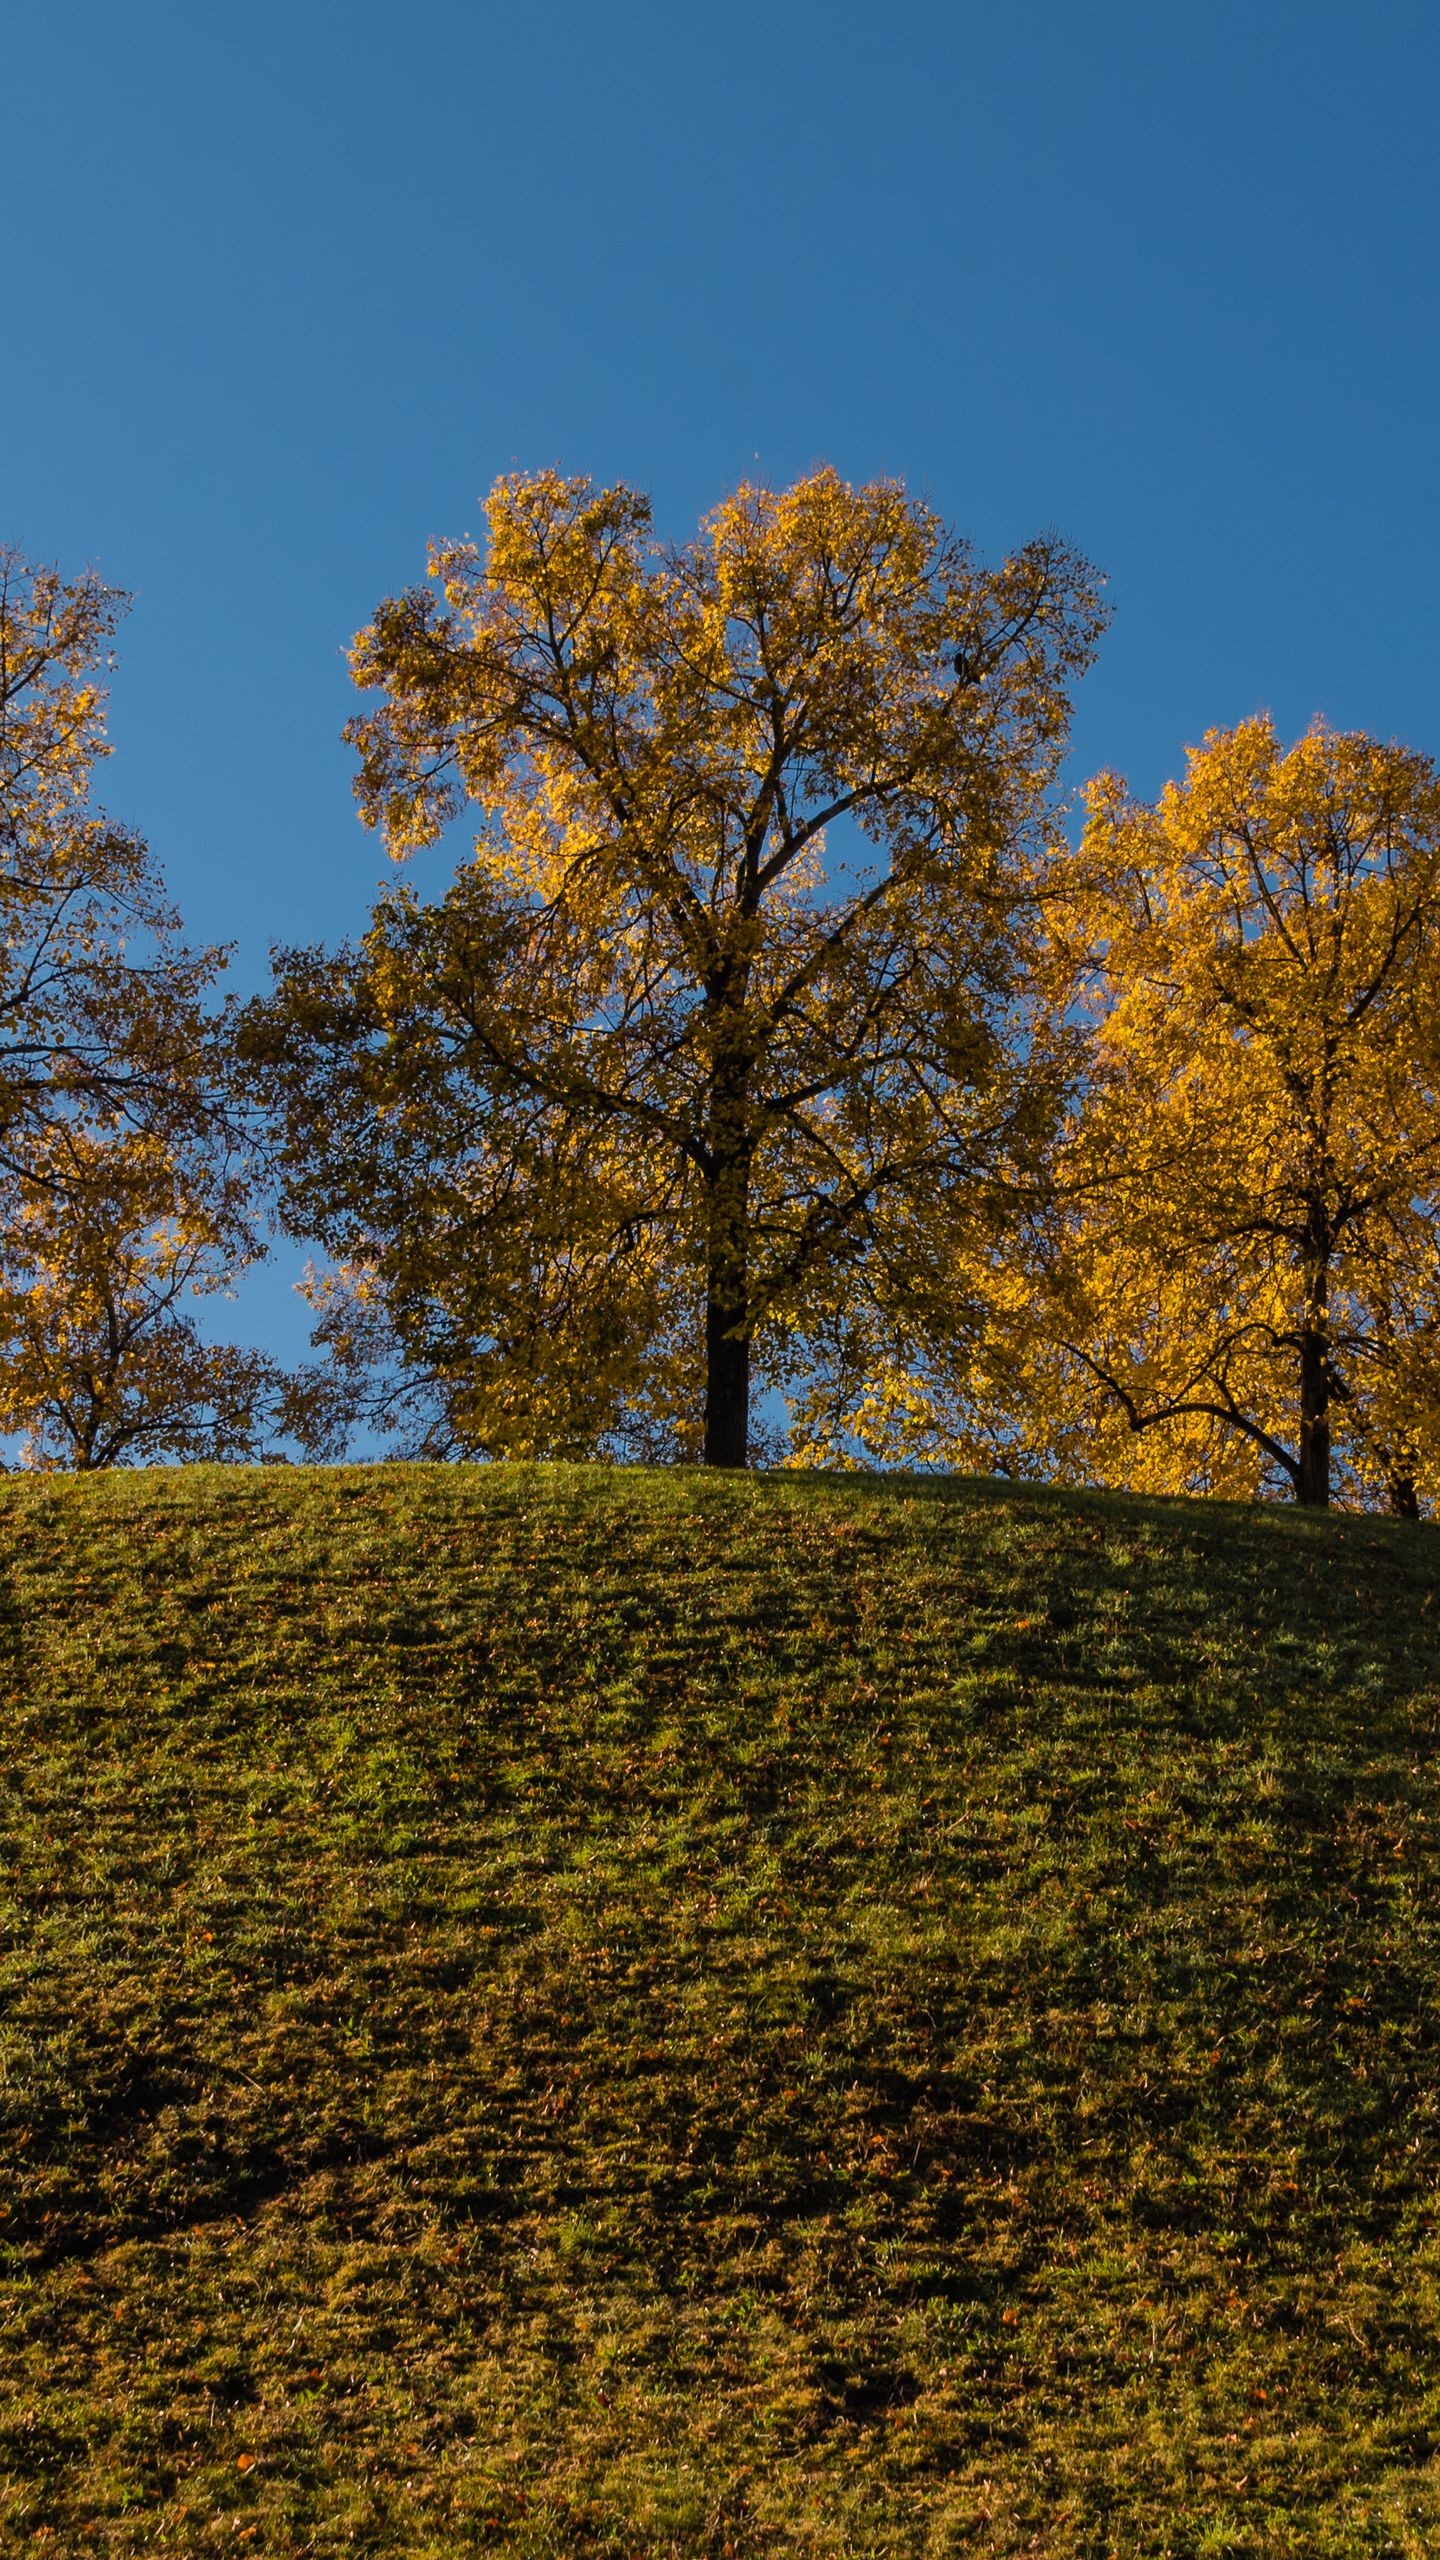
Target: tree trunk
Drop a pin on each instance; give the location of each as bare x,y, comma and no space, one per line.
1404,1500
727,1384
1312,1484
730,1146
727,1315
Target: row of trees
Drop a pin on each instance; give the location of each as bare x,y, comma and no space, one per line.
773,1050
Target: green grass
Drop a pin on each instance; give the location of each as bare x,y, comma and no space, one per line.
561,2013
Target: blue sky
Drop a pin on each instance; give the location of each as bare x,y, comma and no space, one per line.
286,287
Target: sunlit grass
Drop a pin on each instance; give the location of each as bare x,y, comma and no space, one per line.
561,2012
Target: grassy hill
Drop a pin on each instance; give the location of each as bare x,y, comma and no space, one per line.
563,2013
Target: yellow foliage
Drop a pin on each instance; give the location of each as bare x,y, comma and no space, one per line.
109,1240
1241,1285
712,1036
117,1201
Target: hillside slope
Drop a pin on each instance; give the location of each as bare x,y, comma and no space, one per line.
554,2012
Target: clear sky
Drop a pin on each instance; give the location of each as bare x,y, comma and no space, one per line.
285,288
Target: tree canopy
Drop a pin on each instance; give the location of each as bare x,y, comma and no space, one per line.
712,1042
98,996
1244,1283
111,1238
124,1179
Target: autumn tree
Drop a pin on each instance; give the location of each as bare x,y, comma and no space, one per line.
1243,1284
122,1160
99,999
111,1240
712,1037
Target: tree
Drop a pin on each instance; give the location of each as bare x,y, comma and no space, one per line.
1245,1272
676,1068
98,998
122,1162
101,1362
